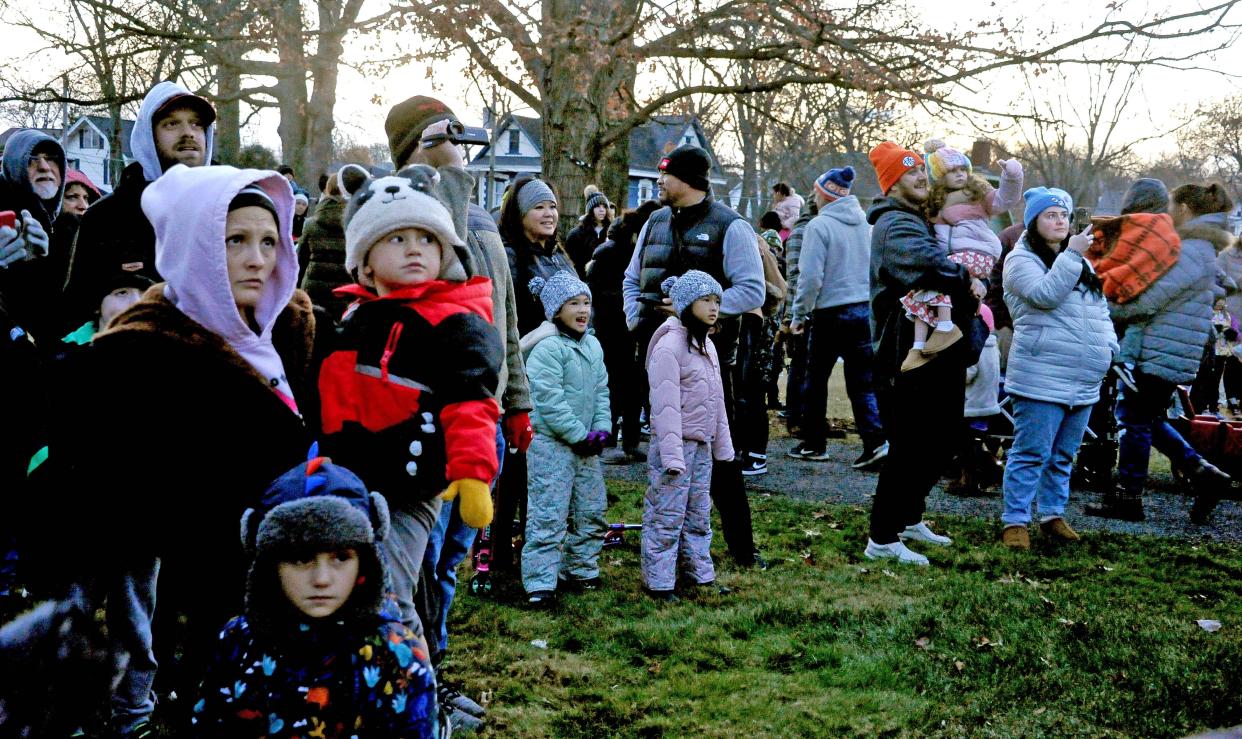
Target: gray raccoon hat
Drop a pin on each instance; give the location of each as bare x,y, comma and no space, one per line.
315,507
407,199
557,290
690,287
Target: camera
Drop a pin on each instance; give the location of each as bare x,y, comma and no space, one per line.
458,133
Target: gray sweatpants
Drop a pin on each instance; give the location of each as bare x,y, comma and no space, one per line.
405,546
564,511
677,519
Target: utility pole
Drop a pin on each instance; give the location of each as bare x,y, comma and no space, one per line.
491,153
64,107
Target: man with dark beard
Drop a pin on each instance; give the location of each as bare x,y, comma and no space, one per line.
173,127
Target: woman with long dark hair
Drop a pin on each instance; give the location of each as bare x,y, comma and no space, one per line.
591,231
1063,344
528,222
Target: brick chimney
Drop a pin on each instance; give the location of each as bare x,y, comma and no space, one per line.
981,154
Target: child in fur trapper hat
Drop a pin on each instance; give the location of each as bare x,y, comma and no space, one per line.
319,651
408,396
689,429
960,205
572,418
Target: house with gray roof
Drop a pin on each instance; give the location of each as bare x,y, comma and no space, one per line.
519,151
88,147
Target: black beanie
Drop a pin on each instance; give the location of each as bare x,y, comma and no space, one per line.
254,196
406,121
690,164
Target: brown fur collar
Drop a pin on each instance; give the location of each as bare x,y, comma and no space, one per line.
293,334
1217,237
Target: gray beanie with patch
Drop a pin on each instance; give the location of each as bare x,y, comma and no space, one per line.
557,290
690,287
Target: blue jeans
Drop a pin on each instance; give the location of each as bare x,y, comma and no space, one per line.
448,545
1046,437
131,606
842,332
1143,423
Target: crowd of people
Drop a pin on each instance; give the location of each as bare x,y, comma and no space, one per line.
367,382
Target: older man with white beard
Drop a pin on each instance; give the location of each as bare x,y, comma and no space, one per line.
34,252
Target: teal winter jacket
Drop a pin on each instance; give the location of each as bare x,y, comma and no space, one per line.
568,384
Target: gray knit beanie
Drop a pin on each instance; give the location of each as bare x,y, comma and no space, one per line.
596,199
557,290
533,193
1146,195
690,287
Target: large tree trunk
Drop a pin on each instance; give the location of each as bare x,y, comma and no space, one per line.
291,84
325,70
228,114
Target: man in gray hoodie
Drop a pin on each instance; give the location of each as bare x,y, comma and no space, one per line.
833,287
173,127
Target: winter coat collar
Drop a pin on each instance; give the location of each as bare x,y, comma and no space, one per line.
887,204
473,295
846,210
1212,228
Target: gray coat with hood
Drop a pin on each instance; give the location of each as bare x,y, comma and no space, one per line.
115,234
30,289
1063,340
1174,315
835,262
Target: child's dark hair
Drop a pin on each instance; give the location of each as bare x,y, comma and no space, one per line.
975,188
696,330
1231,334
781,188
770,220
1203,200
1038,244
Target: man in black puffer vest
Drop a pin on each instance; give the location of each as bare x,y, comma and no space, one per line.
694,231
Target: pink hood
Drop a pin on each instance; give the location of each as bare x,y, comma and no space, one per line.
188,208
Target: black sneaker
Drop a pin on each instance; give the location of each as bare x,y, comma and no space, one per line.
755,464
663,596
871,457
759,562
800,451
541,599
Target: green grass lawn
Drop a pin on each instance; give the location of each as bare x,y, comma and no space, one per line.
1097,639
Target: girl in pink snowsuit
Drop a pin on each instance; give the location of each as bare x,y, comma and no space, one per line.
688,430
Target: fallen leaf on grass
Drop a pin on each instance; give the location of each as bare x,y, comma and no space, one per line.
539,643
960,665
863,570
1065,621
808,557
889,573
1039,711
811,532
1047,602
654,668
834,525
1209,625
1106,569
922,642
983,642
819,514
485,698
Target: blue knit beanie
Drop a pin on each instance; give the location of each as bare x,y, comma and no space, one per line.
835,183
557,290
690,287
1039,199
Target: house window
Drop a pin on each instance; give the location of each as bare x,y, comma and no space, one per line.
89,139
515,141
689,139
644,190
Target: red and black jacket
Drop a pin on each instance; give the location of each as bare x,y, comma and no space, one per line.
409,394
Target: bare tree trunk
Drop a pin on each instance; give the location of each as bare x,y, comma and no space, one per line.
291,84
228,115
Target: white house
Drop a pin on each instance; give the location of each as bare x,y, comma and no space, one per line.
519,151
88,147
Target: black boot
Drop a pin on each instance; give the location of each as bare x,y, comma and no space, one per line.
1119,504
1209,484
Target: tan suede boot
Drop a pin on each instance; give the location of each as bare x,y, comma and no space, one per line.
1057,528
938,341
1016,537
915,359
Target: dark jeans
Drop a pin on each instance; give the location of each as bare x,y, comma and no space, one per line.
842,332
922,414
1143,422
626,402
795,379
1205,393
510,502
750,433
728,486
631,425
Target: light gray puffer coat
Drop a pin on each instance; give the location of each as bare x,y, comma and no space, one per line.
1174,315
1063,340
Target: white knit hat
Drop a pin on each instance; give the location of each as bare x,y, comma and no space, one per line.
379,206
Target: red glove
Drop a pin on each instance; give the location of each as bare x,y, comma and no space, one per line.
518,432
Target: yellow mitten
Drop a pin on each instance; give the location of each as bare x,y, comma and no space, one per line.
476,501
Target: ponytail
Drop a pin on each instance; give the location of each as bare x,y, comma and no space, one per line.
1204,200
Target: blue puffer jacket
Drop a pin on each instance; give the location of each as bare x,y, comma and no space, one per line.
1063,340
568,384
1174,315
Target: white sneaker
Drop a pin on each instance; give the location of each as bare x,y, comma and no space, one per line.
896,550
920,532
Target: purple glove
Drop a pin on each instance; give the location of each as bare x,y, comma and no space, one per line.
598,438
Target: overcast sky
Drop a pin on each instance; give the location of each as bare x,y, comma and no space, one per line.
1162,96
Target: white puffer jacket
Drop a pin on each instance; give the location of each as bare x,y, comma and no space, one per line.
1063,339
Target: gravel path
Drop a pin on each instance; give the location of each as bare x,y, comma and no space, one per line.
834,481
